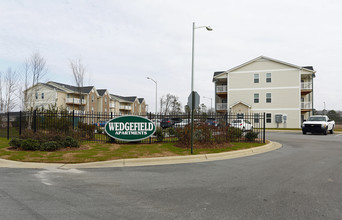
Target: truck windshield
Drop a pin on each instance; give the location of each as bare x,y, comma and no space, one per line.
316,119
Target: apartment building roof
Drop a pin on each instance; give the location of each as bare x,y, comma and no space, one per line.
101,92
84,89
141,100
124,98
307,68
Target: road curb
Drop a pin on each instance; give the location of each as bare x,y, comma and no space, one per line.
145,161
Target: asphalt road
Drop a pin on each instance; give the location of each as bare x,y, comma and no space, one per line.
301,180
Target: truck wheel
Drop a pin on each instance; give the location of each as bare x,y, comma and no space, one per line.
325,131
332,130
304,132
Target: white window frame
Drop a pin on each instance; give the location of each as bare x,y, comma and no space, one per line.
256,78
256,117
42,95
258,98
268,97
268,77
268,118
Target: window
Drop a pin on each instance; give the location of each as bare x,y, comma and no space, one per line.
105,110
105,100
268,97
92,98
268,118
268,77
239,115
42,95
256,97
36,95
92,109
256,117
256,77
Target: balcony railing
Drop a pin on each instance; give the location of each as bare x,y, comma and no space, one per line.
76,101
306,85
221,106
78,112
306,105
125,107
222,88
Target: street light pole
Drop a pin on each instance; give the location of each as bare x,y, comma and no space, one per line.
155,81
192,81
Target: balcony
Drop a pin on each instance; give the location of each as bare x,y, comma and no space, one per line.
306,88
306,106
78,112
221,89
221,107
111,105
76,101
125,107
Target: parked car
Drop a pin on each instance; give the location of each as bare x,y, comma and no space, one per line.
183,123
318,124
166,123
243,124
156,122
101,123
212,122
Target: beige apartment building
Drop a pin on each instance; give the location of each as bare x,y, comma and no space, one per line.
82,100
282,90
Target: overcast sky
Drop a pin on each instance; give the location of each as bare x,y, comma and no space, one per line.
122,42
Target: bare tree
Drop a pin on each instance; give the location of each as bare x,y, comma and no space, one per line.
11,85
78,72
170,104
37,66
34,70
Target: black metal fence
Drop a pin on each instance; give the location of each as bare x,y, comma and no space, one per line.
208,129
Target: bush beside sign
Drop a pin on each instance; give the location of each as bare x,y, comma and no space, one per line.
130,128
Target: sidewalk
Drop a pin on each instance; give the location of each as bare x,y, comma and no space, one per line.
146,161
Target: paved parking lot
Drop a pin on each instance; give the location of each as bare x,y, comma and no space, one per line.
301,180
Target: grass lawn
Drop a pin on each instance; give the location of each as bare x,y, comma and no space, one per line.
91,152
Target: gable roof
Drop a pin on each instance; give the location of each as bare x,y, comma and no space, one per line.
124,98
84,89
236,103
101,92
307,68
141,100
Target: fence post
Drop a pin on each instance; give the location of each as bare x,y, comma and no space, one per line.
155,126
19,123
111,115
73,119
7,125
264,130
35,121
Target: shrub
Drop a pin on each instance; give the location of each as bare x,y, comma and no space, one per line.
159,134
234,134
86,131
50,146
70,142
15,143
251,136
30,144
111,140
171,131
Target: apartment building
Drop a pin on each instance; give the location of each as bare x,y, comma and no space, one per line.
128,105
81,99
282,90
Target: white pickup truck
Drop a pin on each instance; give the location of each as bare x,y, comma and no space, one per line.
318,124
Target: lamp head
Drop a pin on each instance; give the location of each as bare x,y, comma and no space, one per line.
208,28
